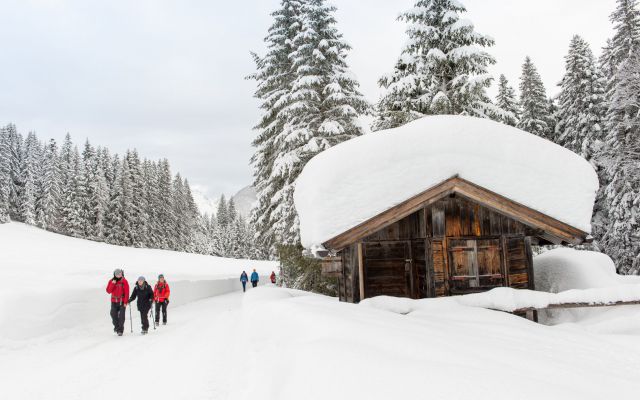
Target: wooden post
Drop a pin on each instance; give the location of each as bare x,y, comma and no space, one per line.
360,271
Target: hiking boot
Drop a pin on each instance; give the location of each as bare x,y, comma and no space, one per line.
119,333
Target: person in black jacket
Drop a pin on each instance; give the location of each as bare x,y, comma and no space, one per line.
144,294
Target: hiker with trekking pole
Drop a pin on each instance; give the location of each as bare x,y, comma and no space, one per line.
161,298
118,288
144,294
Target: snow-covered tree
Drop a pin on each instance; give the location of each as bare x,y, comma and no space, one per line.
507,101
97,193
5,176
274,77
535,115
48,188
30,171
16,155
443,68
318,106
621,240
581,102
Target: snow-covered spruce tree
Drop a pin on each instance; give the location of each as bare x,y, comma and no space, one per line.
5,176
626,21
48,188
97,194
442,68
150,178
66,171
74,205
30,171
274,77
621,239
138,210
581,102
118,228
16,155
535,115
507,101
164,207
310,102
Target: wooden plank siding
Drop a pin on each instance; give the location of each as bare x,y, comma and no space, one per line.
412,257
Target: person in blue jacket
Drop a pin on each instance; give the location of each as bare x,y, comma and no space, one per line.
244,278
254,278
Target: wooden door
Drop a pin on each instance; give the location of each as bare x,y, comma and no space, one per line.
389,269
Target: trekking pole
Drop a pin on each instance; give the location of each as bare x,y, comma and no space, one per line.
130,318
152,317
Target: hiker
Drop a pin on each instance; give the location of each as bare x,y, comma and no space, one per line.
118,288
254,278
161,297
143,292
244,278
273,277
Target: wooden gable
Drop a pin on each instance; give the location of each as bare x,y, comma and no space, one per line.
543,225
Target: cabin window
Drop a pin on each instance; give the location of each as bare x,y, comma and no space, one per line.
474,265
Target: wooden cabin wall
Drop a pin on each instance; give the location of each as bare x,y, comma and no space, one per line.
424,238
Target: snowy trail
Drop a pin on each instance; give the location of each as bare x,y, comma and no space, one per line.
92,362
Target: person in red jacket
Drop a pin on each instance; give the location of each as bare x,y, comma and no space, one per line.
118,288
161,297
273,277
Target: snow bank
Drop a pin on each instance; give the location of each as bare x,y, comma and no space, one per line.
312,347
53,282
358,179
563,269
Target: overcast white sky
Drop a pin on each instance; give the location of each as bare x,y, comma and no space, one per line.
167,77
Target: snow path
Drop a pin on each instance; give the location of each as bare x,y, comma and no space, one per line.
84,363
281,344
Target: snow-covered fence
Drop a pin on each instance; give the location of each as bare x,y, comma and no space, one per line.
522,300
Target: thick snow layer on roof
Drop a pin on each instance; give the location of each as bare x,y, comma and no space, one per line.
358,179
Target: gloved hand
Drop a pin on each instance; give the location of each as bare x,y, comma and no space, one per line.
167,301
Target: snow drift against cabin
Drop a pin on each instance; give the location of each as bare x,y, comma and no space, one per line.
358,179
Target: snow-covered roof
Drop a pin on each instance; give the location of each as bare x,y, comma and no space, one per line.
356,180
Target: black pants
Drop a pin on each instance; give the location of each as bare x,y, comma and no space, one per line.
244,286
144,317
117,316
161,306
254,283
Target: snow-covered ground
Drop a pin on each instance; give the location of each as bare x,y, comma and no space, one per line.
273,343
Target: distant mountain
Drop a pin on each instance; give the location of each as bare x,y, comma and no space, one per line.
205,204
245,199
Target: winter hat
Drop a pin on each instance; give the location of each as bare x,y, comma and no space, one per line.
160,276
141,278
117,271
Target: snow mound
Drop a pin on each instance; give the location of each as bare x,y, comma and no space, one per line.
563,269
360,178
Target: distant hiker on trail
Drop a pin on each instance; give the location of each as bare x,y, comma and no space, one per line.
254,278
143,292
161,297
244,278
273,277
118,288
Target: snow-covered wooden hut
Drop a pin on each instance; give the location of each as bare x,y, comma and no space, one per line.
442,206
